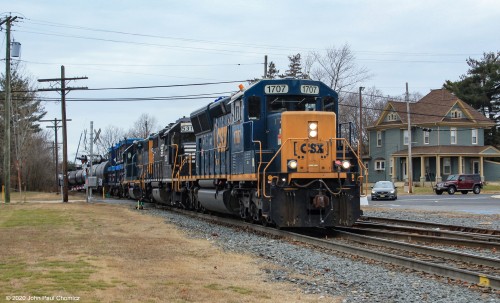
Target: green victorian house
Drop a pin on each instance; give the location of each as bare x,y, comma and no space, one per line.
447,137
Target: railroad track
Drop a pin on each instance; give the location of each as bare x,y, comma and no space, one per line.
436,226
468,268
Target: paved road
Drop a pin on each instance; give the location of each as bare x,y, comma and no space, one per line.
488,204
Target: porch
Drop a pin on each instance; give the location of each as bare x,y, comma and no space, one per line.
431,164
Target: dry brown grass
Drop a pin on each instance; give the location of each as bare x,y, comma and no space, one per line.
105,253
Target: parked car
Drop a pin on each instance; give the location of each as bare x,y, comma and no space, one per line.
384,190
463,183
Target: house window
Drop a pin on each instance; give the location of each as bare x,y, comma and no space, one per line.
390,167
426,137
379,165
446,166
392,117
474,136
456,114
379,138
405,137
453,135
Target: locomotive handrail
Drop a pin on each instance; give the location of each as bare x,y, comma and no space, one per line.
361,165
175,163
363,169
271,161
179,173
258,167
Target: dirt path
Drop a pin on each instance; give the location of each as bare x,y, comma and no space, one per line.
111,253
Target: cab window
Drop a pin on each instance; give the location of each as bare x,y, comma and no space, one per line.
254,108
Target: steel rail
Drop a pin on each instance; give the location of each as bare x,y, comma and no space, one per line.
431,232
422,238
428,267
477,230
432,251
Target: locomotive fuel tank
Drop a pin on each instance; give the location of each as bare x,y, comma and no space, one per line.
220,201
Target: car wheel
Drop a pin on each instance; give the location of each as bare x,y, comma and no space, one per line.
464,192
439,192
476,189
395,197
451,190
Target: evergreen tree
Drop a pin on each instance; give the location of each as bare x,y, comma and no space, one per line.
480,88
294,67
272,72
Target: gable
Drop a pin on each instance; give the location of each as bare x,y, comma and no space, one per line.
392,116
490,150
389,115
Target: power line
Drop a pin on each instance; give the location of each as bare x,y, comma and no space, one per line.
278,47
143,65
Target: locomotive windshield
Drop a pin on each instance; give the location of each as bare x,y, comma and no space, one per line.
290,103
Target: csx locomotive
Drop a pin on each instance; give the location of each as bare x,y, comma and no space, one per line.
269,153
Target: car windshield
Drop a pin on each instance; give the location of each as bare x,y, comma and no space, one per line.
452,178
384,184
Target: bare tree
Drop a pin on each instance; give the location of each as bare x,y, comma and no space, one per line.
373,104
26,111
143,127
108,137
338,69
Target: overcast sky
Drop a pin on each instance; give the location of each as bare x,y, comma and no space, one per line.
146,43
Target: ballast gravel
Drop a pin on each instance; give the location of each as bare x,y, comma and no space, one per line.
331,275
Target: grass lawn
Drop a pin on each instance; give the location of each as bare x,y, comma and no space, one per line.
112,253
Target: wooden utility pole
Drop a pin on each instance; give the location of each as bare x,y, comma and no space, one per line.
265,67
360,122
410,167
6,147
63,91
56,146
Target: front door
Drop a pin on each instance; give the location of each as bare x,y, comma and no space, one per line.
475,167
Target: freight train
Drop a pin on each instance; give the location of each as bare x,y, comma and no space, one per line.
270,153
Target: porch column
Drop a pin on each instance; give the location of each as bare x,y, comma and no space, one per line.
438,168
481,167
422,171
393,170
460,165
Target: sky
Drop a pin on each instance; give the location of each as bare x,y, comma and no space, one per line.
125,43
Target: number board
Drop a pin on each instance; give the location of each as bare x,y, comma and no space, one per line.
187,128
276,89
309,89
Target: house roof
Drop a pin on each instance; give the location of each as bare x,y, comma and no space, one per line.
454,150
432,109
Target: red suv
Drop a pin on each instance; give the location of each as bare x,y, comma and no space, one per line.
462,183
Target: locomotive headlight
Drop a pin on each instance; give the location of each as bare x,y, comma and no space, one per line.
346,164
313,129
292,164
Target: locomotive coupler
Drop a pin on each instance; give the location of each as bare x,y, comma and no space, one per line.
321,200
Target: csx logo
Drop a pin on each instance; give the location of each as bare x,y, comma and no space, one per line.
313,148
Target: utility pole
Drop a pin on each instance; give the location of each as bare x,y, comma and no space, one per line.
89,188
410,168
7,113
56,148
265,66
63,91
361,88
